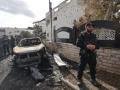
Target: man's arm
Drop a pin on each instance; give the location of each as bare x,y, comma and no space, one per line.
80,41
94,44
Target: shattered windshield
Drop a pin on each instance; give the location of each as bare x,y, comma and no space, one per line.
30,42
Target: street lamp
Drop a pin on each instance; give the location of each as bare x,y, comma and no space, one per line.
50,10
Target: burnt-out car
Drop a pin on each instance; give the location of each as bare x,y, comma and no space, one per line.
29,52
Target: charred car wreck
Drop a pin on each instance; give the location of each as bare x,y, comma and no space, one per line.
31,54
30,51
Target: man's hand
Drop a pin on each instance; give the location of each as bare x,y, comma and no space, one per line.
91,47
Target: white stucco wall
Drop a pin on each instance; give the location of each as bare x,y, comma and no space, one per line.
66,14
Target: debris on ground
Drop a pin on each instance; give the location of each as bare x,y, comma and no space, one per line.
36,74
51,76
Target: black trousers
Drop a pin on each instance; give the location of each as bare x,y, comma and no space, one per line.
6,50
89,59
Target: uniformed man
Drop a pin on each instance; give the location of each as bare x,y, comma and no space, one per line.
1,48
12,44
88,44
6,45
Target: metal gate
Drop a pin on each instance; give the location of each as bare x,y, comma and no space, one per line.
64,34
108,33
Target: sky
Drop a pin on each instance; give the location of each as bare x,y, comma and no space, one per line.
22,13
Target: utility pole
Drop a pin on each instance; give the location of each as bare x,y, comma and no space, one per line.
50,10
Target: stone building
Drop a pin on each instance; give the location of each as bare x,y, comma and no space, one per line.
41,23
13,31
63,15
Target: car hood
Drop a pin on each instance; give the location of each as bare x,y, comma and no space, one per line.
29,49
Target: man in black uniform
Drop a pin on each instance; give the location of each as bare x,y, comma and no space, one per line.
88,43
12,44
6,45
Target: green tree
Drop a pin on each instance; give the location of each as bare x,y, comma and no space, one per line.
38,32
25,34
31,28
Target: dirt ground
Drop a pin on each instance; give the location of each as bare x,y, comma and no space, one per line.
110,78
21,80
107,77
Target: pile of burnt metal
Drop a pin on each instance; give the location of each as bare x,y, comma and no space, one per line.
31,54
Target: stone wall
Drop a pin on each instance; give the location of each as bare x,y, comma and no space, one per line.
108,58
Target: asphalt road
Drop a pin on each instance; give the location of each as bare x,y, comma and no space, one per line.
20,79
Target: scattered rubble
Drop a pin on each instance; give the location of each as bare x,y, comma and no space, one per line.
53,73
36,74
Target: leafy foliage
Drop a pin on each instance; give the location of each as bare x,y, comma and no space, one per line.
25,34
38,32
99,10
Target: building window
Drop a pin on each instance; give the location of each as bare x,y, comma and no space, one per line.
55,18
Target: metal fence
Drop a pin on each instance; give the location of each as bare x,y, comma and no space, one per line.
108,33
